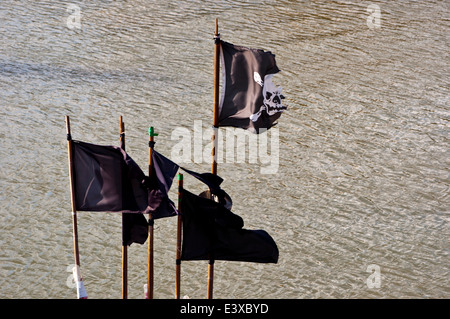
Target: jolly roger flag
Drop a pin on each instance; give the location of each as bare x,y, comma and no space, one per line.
249,100
210,231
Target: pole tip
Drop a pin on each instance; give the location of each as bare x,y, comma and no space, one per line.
151,131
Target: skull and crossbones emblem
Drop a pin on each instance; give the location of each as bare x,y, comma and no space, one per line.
272,97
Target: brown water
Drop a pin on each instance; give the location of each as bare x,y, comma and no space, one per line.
363,175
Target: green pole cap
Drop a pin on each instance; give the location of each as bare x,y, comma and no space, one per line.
151,132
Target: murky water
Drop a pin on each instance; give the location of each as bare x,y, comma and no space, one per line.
363,176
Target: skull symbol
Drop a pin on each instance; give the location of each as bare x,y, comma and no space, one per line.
272,97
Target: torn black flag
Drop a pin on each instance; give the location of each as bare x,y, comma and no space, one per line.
250,100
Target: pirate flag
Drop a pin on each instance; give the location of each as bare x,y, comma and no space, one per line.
249,100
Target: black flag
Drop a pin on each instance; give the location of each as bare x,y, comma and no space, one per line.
250,100
213,182
210,231
107,179
163,172
134,226
135,229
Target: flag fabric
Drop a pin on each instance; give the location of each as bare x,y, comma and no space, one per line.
164,171
249,100
134,229
134,226
159,183
213,182
210,231
107,179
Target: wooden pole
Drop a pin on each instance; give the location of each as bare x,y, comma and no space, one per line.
72,194
179,230
124,246
216,97
214,137
151,135
81,292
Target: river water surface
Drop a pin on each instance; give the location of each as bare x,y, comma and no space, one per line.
359,204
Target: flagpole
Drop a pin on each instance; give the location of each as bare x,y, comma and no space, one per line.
214,137
151,135
124,246
81,292
216,97
72,194
179,229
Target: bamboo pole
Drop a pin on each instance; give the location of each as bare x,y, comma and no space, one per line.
81,292
214,137
150,272
179,230
72,194
216,97
124,246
